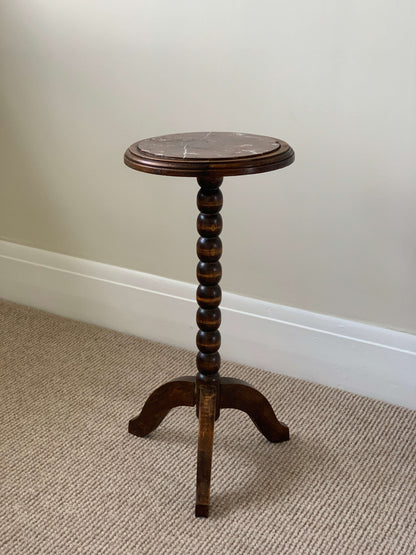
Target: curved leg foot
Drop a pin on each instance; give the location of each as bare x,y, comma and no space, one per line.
237,394
207,410
179,392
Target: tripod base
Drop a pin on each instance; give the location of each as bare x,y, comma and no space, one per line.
226,393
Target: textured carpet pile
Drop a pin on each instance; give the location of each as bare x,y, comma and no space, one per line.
74,481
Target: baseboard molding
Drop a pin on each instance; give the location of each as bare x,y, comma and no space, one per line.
356,357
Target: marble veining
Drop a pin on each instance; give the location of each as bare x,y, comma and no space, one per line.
208,145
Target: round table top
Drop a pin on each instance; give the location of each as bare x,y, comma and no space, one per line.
211,153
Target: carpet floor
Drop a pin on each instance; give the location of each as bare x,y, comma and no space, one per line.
74,481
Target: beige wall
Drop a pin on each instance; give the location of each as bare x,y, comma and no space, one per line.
334,233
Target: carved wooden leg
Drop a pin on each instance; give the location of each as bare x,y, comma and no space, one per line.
207,410
177,393
237,394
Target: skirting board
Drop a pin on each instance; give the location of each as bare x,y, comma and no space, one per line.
356,357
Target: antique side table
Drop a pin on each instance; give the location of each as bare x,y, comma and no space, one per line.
209,157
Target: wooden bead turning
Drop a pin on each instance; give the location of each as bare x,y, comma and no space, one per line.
208,296
208,319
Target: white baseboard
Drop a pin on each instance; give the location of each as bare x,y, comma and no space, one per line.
368,360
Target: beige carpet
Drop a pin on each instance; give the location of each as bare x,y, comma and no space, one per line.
74,480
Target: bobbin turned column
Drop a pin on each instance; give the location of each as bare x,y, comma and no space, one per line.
208,339
208,295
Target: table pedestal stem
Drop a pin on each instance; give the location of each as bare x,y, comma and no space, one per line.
208,339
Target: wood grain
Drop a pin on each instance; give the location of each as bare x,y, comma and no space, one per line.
176,393
207,410
237,394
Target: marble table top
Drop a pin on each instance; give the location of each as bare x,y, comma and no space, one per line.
208,145
208,153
